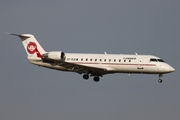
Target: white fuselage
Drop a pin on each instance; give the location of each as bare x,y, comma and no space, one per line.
114,63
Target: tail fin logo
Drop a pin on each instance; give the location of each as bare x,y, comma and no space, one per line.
31,48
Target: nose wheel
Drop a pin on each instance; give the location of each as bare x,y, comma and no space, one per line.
160,80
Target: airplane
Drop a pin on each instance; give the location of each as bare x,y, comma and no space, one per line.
95,65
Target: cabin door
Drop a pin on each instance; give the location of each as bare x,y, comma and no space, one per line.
140,65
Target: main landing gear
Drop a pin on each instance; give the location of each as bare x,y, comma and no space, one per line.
96,79
160,80
86,77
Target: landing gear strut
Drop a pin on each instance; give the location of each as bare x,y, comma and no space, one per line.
160,80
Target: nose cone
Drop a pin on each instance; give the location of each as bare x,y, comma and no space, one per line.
167,68
171,69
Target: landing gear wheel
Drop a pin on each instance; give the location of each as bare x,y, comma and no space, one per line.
96,79
86,76
160,76
160,81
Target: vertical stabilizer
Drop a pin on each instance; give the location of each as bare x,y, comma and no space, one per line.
31,45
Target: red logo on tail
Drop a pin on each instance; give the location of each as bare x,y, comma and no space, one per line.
32,48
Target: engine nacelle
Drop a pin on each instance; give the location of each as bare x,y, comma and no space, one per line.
55,55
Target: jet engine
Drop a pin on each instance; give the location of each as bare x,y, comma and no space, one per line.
55,55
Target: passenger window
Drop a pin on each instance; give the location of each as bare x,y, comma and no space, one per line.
100,60
81,59
109,60
90,59
129,60
119,60
86,59
114,60
104,60
124,60
95,59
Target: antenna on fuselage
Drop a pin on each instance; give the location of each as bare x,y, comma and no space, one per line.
136,53
105,52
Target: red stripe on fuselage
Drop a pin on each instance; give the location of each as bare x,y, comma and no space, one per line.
113,63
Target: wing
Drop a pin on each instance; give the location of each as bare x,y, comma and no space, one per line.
75,67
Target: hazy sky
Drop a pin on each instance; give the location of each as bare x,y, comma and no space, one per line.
29,92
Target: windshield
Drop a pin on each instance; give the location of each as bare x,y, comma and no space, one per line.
153,60
156,60
160,60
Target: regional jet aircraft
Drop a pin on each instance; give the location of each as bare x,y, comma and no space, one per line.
95,65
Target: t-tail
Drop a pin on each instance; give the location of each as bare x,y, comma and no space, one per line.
31,46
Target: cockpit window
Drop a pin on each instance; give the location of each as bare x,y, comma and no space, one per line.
156,60
160,60
153,60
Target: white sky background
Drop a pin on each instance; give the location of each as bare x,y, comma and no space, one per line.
29,92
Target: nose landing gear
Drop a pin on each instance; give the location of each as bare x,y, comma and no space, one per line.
160,80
